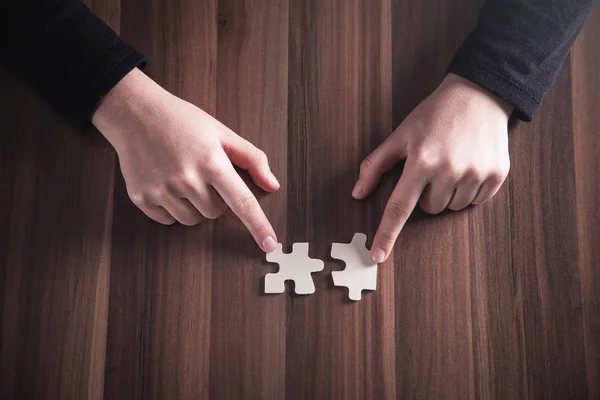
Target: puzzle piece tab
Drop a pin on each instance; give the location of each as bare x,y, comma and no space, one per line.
296,266
361,271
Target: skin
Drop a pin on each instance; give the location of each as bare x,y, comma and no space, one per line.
455,144
178,161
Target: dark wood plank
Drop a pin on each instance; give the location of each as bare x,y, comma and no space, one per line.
489,332
248,348
54,254
110,12
158,341
527,337
496,302
585,66
340,109
434,314
544,248
56,202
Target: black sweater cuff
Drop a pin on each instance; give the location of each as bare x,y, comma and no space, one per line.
93,90
70,54
518,48
525,105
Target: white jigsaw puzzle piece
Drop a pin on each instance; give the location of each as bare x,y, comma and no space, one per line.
296,266
361,271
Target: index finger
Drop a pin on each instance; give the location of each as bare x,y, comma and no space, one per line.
242,202
402,202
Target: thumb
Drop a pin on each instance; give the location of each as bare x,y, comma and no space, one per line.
249,157
380,161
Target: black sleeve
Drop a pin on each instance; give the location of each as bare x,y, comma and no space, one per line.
72,56
518,48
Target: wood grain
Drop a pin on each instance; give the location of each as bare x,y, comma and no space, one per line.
247,328
56,196
55,243
547,262
160,290
585,94
434,317
499,301
338,50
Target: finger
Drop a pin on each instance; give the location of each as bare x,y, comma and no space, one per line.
157,213
153,211
402,202
249,157
381,160
206,200
488,190
463,196
242,202
182,210
436,196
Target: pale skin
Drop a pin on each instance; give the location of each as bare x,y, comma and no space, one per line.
178,161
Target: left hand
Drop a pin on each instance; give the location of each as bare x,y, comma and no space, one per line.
456,148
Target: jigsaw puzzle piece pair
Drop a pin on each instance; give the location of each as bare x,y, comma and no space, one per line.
360,272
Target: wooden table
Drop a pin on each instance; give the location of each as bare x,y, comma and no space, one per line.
500,301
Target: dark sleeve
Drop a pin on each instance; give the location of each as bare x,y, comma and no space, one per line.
518,48
71,55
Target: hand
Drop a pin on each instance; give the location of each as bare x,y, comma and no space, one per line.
177,160
456,148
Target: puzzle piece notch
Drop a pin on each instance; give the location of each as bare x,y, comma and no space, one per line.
296,266
360,272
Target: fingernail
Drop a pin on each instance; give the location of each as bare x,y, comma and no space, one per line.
378,256
357,189
274,180
269,244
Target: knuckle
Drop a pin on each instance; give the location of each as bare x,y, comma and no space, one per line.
189,221
453,173
499,174
456,206
428,207
215,212
137,197
189,217
425,161
220,210
246,205
366,164
262,230
482,199
497,177
212,215
431,210
215,167
473,174
182,183
260,158
166,221
159,193
397,210
386,239
188,177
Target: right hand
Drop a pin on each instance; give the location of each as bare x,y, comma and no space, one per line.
177,159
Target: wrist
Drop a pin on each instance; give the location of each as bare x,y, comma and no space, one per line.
473,92
126,106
